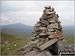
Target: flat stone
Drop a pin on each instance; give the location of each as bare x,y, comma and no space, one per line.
50,33
56,35
50,16
50,37
42,39
47,7
51,9
34,53
34,35
47,44
44,14
33,38
47,10
49,30
36,28
56,16
33,31
58,21
37,24
52,21
35,42
60,27
42,34
55,25
44,21
43,28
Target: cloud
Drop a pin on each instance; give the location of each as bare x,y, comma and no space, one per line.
28,18
29,12
5,21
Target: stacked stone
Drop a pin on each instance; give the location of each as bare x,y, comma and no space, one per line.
49,26
46,32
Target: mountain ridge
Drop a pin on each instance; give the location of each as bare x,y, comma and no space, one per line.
68,31
16,33
19,26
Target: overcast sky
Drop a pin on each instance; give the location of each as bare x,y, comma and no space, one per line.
29,12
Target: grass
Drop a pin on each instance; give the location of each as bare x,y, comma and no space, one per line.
71,40
10,44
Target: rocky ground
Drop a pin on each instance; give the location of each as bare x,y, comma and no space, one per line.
63,46
33,53
66,46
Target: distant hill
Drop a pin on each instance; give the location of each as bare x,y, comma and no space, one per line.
16,33
68,31
22,30
19,27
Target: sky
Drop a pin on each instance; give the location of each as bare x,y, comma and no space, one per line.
29,12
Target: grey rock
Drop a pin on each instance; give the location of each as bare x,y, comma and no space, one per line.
52,26
50,30
33,53
42,34
44,37
47,7
43,28
47,44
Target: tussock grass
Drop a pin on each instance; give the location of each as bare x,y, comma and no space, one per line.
70,39
10,44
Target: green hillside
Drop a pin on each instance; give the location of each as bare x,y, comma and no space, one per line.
68,33
10,44
70,39
16,33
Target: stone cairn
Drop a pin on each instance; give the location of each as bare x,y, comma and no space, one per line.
48,27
